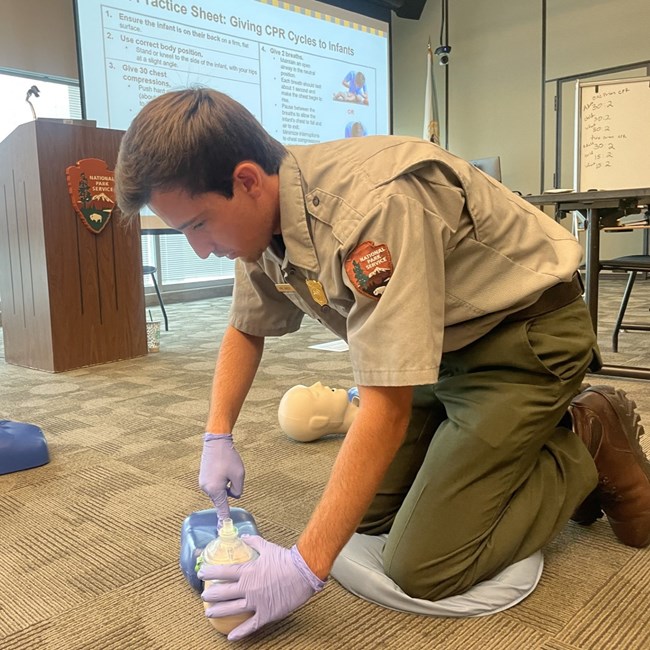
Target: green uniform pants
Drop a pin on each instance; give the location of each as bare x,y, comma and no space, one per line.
488,472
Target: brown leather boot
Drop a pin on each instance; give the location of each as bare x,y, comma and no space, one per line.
606,421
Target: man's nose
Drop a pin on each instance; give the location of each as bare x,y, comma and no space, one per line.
202,249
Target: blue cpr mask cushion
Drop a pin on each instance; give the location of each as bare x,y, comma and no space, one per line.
199,529
359,568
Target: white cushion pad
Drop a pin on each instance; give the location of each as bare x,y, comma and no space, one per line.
359,568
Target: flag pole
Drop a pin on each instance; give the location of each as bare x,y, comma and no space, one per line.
431,123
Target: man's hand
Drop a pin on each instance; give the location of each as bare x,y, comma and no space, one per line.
222,472
273,585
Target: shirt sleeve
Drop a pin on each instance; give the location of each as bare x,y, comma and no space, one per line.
395,267
258,308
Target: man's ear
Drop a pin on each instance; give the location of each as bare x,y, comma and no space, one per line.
249,175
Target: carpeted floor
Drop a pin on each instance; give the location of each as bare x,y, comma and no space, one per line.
89,543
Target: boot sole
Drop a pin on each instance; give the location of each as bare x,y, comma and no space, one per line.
625,410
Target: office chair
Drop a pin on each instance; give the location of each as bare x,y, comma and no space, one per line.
151,270
632,264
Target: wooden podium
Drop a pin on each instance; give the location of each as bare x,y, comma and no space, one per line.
70,297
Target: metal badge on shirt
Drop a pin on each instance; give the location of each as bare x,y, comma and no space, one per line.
369,267
317,292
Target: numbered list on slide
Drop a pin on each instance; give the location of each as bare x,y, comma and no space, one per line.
293,89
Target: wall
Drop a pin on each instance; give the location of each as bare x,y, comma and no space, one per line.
496,71
38,36
494,82
588,35
496,75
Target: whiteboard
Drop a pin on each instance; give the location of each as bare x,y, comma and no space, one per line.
612,134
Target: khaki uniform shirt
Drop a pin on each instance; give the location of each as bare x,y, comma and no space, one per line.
403,250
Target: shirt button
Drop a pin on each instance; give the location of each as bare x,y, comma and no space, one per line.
316,201
325,308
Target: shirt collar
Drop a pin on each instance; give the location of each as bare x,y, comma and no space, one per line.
294,218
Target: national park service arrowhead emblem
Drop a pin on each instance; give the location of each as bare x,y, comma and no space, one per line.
369,267
92,190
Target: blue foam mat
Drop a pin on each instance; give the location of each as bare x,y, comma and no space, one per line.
22,446
199,529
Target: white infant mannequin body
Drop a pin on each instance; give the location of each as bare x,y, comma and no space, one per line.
307,413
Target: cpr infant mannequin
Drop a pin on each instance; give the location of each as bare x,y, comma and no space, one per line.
307,413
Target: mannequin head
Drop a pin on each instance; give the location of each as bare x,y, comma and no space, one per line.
307,413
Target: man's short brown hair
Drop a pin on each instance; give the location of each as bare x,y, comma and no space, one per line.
192,140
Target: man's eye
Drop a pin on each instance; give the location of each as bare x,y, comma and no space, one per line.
198,225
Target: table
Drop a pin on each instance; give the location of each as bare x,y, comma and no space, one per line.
150,224
600,209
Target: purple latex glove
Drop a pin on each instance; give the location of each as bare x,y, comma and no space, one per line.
273,585
222,472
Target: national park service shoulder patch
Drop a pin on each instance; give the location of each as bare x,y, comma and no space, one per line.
369,267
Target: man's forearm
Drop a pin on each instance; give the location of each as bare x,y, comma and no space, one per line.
367,451
237,363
